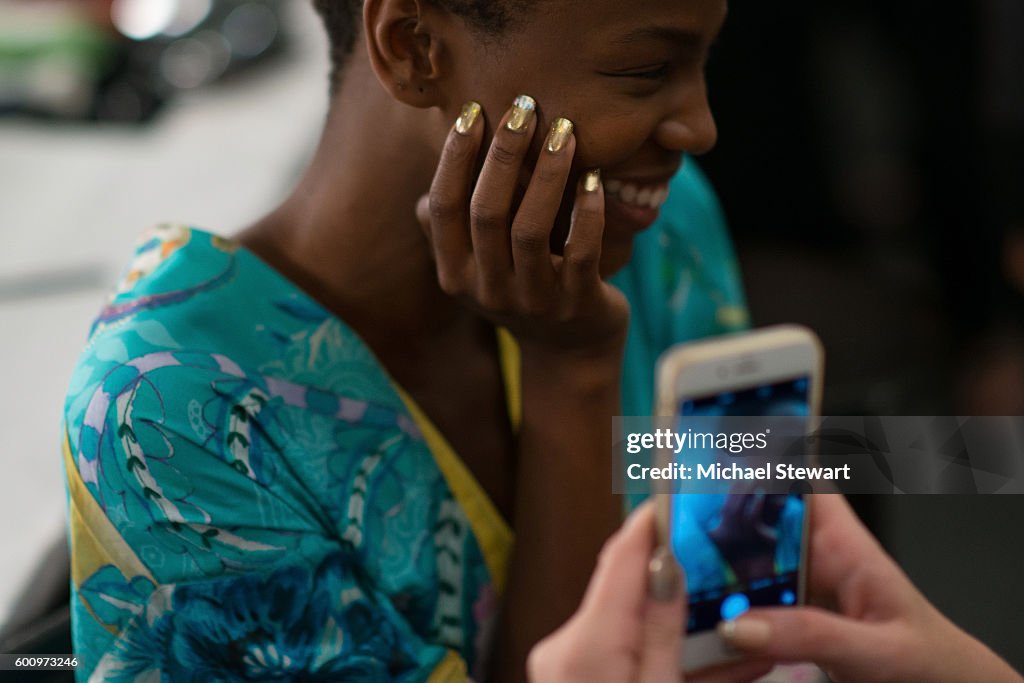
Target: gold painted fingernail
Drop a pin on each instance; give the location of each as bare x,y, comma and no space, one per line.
592,180
561,129
470,113
523,109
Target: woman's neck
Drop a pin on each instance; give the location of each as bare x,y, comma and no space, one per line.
348,233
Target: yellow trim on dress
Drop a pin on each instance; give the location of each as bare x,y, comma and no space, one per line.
493,534
95,543
512,372
451,669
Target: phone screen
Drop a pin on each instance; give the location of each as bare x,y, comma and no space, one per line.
740,549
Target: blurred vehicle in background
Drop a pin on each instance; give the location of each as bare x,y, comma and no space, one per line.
120,60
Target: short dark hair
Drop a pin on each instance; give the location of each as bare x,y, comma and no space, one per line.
490,18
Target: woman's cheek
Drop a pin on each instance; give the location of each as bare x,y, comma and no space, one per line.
608,146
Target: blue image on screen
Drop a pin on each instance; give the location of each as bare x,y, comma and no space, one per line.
740,549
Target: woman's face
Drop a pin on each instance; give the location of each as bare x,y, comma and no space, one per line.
630,75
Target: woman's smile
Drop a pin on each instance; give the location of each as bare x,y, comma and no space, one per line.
636,200
636,207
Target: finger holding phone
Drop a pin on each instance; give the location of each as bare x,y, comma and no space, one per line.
882,628
629,626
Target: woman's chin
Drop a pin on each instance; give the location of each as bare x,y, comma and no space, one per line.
615,254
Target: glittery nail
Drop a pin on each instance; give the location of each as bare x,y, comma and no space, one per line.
561,129
523,109
470,113
592,180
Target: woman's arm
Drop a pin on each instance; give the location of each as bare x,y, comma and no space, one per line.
564,506
571,328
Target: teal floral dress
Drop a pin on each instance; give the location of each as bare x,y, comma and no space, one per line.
252,497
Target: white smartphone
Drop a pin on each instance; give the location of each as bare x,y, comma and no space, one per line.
745,548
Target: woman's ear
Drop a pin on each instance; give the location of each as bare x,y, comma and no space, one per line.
403,42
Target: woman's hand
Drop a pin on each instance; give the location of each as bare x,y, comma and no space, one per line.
885,630
745,535
629,626
501,263
494,253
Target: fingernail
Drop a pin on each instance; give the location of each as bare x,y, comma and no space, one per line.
592,180
665,581
561,129
470,113
747,633
523,109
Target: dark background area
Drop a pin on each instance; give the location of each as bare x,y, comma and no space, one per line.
871,165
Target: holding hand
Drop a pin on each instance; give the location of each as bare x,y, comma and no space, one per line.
501,262
630,624
885,630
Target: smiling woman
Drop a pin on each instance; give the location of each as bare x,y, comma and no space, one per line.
365,394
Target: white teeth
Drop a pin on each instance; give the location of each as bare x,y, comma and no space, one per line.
628,193
650,196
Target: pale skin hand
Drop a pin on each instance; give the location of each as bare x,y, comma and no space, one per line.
621,632
883,629
571,327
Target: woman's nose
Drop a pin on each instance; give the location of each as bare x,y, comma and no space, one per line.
691,127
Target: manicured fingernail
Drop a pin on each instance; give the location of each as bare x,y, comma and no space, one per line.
746,633
470,113
561,129
523,109
592,180
665,581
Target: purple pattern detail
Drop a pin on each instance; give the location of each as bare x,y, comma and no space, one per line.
153,361
293,394
228,366
351,410
115,312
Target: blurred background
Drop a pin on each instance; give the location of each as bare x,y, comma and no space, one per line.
870,163
114,116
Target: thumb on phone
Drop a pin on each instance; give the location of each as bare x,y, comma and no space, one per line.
811,634
664,616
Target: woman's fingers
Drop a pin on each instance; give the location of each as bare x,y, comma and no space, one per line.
491,205
796,634
663,618
582,254
531,229
617,585
491,238
848,567
446,207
